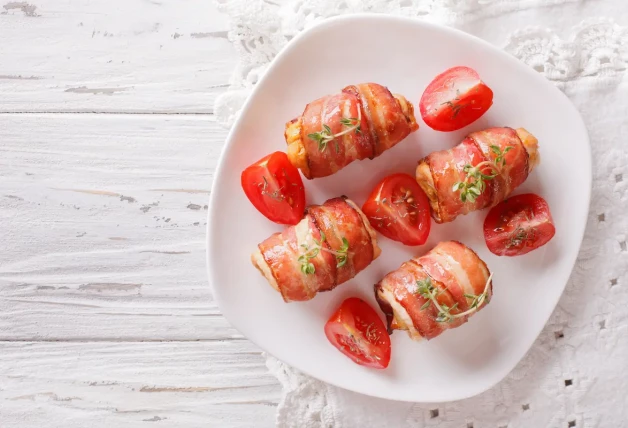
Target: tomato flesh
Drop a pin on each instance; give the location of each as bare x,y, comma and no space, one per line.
454,99
518,225
358,332
274,187
399,209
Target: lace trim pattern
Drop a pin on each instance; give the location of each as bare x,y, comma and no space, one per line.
562,382
596,49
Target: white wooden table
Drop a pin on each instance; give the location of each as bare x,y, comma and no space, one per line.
107,151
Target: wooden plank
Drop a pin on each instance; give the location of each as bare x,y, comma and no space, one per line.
192,384
102,227
113,56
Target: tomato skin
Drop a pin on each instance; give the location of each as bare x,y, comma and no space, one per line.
454,99
518,225
357,331
399,209
274,187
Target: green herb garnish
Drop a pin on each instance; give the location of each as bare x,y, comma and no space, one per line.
322,137
474,183
352,122
341,254
312,250
325,135
429,292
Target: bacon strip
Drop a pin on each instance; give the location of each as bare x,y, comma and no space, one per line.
453,268
385,120
439,171
277,258
515,171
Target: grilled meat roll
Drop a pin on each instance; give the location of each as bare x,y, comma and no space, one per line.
332,243
439,172
452,273
362,121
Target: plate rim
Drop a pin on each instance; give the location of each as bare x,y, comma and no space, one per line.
338,20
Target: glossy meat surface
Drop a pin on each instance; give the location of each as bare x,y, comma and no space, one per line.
321,237
438,172
362,121
453,269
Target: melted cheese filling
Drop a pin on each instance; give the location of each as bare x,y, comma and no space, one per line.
401,315
369,228
262,266
303,235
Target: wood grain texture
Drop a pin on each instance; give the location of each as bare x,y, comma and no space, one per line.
102,263
103,227
106,318
169,384
112,56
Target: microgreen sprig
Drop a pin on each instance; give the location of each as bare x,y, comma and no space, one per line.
474,183
499,154
342,253
312,250
322,137
428,291
325,135
353,123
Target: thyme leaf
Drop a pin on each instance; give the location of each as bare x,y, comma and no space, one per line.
342,253
325,135
312,250
428,291
474,183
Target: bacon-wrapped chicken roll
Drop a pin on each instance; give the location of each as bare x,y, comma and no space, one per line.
438,291
478,173
332,243
363,121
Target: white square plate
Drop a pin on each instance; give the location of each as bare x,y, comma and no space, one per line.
405,55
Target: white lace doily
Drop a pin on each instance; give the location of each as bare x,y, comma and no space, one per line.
576,374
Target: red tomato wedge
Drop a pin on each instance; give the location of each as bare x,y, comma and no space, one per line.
359,333
518,225
274,187
454,99
399,209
